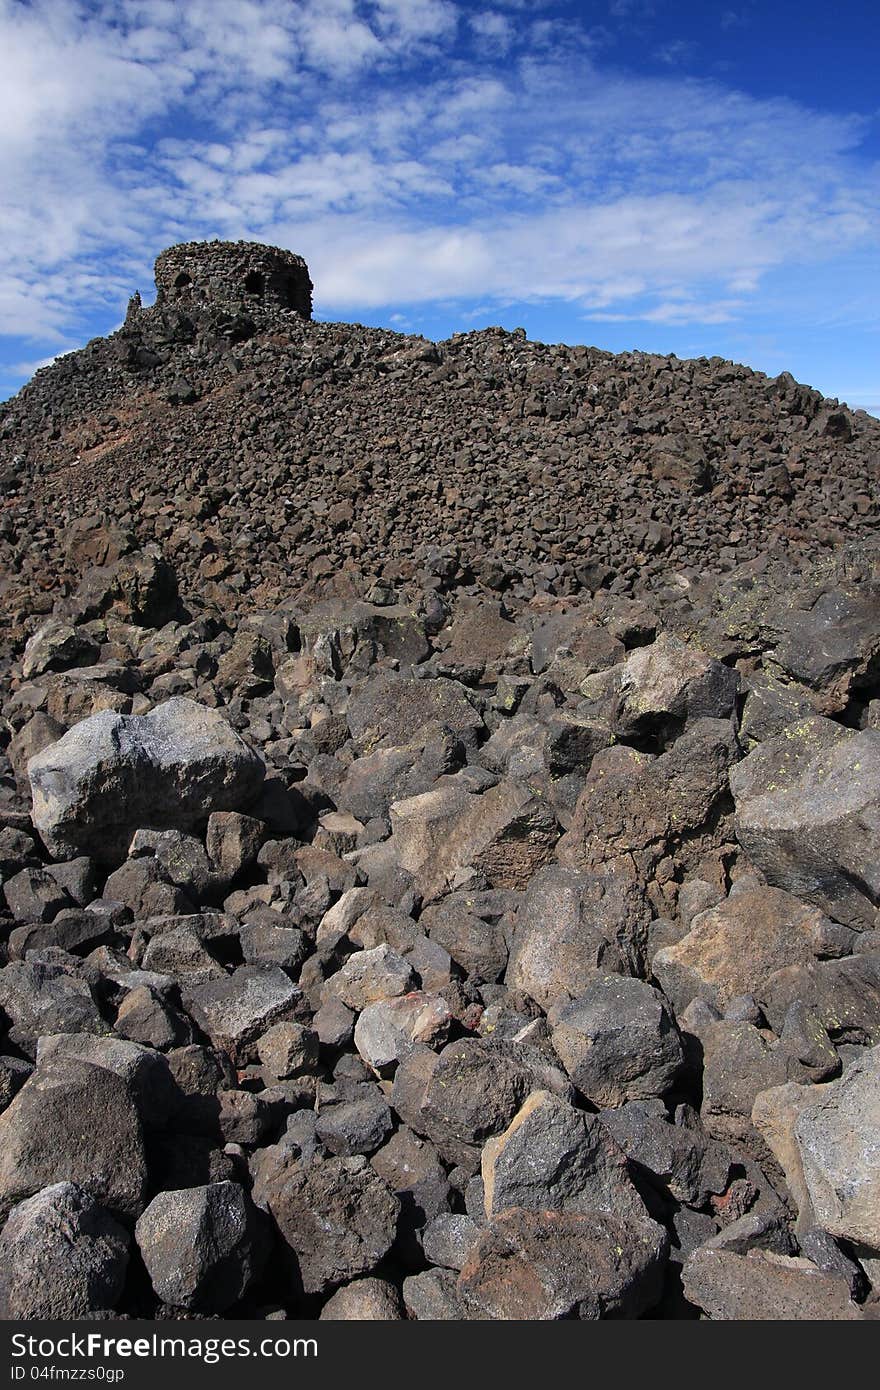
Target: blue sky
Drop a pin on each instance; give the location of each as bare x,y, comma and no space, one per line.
697,178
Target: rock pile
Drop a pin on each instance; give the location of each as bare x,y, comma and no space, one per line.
269,454
464,944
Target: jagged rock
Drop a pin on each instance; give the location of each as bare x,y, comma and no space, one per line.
636,809
338,1218
112,774
34,896
14,1072
774,1113
145,1017
144,1071
72,930
461,1096
762,1285
552,1157
387,1028
806,814
202,1247
448,1240
62,1257
738,1063
843,994
734,948
74,1122
287,1049
433,1297
477,945
356,1120
233,841
618,1041
390,711
368,976
267,943
412,1169
40,999
54,646
140,587
668,684
680,1158
836,1136
832,645
234,1010
546,1265
506,833
572,927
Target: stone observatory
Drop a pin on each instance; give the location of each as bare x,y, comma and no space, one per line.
243,273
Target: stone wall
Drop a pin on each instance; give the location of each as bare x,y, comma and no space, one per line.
240,273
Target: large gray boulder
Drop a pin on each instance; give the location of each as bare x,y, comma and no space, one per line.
618,1041
838,1138
74,1122
808,815
62,1256
203,1246
552,1157
113,774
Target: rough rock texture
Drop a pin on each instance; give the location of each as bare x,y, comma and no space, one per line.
338,1218
203,1246
445,886
811,822
618,1041
837,1136
62,1256
114,774
73,1122
550,1264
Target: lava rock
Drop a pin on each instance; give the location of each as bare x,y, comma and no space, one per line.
112,774
62,1257
203,1247
618,1041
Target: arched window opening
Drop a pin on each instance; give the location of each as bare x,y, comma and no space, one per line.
254,284
182,281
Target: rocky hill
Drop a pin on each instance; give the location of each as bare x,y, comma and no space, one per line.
439,826
269,454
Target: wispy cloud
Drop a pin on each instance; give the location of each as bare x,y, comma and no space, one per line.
415,151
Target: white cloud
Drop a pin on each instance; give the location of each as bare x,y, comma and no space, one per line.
494,31
384,139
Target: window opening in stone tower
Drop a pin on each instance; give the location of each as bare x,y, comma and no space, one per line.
182,281
254,284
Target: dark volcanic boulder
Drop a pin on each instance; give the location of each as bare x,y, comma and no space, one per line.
338,1218
73,1122
808,815
618,1041
62,1256
114,774
546,1265
202,1246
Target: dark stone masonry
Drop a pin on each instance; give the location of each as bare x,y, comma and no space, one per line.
233,273
439,826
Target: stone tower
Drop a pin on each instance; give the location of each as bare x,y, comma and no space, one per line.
233,274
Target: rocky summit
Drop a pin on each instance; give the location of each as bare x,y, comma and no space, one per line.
439,825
